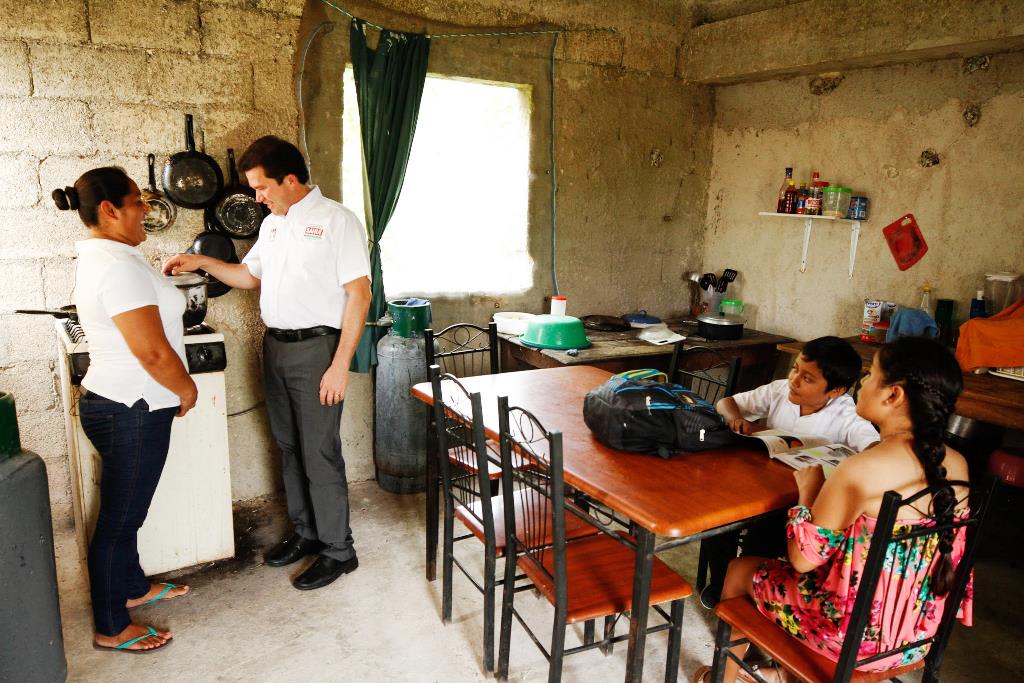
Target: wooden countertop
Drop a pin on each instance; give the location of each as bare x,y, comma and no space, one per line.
989,398
612,346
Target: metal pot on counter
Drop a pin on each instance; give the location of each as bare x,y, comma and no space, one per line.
719,326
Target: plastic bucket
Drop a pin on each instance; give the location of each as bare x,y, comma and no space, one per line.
409,317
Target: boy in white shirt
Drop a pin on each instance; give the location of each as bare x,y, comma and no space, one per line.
813,400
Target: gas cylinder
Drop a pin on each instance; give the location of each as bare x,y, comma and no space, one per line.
401,420
31,644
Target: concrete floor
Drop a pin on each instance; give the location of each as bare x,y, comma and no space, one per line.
244,622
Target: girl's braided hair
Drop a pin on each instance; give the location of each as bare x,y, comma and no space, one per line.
932,381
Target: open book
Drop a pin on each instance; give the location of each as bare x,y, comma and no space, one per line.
802,450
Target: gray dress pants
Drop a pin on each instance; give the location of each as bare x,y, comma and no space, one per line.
308,435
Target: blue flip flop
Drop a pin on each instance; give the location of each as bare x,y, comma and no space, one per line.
123,647
159,596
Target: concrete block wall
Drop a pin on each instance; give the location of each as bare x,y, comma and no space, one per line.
100,82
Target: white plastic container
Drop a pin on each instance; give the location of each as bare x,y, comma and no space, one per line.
558,305
512,322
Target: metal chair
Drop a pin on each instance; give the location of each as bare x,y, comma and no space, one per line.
463,350
887,542
584,578
712,380
467,495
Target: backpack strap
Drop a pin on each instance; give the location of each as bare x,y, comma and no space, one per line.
644,374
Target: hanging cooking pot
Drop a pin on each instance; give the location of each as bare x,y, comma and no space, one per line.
192,179
161,211
236,212
218,246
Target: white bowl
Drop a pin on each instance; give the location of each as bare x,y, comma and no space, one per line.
513,323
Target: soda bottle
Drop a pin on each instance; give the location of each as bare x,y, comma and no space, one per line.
814,195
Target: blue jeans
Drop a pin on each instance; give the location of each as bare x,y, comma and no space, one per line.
133,444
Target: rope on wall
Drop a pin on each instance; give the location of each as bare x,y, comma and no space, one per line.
553,167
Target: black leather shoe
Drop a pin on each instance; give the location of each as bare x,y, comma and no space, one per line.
324,571
291,549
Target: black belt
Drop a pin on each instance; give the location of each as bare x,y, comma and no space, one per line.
301,335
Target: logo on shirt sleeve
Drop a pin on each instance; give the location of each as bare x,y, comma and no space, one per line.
313,232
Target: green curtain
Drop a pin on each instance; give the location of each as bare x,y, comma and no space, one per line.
389,86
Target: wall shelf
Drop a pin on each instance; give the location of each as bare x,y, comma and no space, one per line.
809,221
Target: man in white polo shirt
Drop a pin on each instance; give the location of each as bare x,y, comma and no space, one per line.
312,267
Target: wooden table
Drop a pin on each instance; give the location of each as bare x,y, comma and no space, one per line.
988,398
619,351
686,498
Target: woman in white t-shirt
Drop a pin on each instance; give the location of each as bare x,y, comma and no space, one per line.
135,385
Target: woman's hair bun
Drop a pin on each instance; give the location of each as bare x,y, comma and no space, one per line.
66,199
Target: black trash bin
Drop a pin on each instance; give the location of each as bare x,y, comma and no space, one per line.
31,644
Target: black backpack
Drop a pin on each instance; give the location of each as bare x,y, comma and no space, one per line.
639,411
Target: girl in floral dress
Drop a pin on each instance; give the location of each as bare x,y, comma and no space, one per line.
909,393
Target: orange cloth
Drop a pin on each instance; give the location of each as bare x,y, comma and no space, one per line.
996,342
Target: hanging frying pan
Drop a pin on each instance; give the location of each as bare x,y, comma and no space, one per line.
161,212
70,312
236,213
219,246
192,179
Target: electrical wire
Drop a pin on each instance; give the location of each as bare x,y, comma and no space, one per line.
327,26
553,170
480,34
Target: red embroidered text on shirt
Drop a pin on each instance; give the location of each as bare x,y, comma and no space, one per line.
314,232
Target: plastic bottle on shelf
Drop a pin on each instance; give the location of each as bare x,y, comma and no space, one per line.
978,305
789,198
813,207
782,190
801,200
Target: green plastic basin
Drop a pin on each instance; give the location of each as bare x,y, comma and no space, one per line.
555,332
